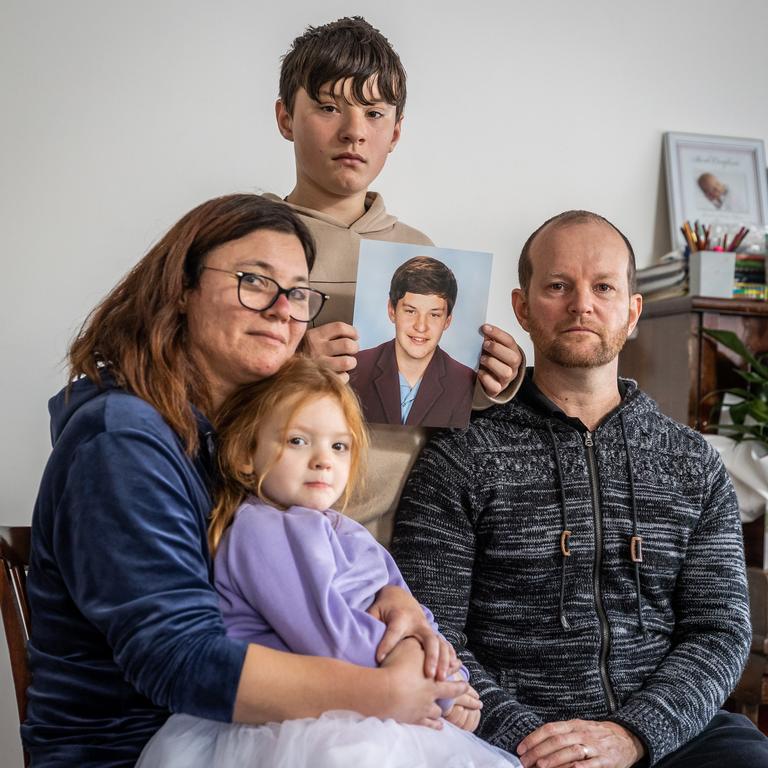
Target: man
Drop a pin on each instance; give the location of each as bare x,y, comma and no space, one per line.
409,379
581,550
342,96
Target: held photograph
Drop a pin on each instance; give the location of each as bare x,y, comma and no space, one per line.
715,180
418,310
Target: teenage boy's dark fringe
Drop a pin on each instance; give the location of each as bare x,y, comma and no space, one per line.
349,48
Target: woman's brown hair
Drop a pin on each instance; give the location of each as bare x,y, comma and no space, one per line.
239,421
137,334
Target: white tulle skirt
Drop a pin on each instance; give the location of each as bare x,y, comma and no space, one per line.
334,740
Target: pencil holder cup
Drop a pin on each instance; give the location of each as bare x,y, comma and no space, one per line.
710,273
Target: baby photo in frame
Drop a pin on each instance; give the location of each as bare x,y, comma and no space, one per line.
418,310
715,180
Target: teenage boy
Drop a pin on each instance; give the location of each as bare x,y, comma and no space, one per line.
342,94
409,379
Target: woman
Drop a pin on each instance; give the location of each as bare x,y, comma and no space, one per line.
125,622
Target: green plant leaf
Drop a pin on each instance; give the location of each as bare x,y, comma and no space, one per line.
750,414
731,341
743,394
739,412
751,377
740,432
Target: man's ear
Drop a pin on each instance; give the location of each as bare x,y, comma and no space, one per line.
390,311
635,310
396,133
520,305
284,120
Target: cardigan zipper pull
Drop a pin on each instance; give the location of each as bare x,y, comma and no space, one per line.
588,439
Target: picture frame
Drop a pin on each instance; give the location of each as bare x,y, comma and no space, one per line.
716,180
427,338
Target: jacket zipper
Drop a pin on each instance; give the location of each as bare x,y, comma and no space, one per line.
605,637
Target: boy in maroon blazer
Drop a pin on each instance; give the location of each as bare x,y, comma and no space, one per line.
409,379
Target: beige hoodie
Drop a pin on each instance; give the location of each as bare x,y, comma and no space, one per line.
393,448
338,246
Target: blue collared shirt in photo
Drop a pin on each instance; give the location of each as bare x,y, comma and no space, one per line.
407,396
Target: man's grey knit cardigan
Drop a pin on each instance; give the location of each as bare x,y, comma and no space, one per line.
656,645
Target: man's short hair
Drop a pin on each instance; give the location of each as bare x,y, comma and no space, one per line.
525,266
346,48
425,276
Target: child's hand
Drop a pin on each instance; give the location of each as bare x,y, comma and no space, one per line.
448,661
500,360
465,712
411,695
335,344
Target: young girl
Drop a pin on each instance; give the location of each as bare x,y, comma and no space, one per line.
295,575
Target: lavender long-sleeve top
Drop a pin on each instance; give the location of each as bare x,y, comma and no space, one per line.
301,580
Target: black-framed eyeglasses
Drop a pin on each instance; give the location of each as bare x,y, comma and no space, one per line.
259,292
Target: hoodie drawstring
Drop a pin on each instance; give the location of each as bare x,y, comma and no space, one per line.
636,542
565,535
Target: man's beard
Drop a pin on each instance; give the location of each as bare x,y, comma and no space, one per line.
557,349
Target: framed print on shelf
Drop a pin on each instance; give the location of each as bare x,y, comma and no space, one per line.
715,180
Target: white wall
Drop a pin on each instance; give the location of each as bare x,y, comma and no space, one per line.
117,117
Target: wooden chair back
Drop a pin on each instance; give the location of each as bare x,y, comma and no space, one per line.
14,605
